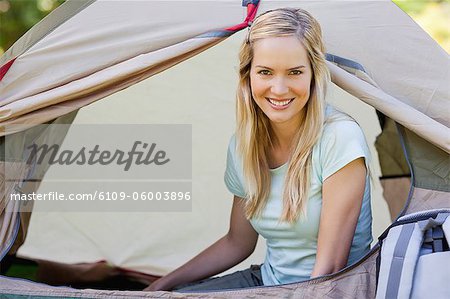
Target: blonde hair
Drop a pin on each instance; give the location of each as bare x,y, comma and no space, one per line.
253,132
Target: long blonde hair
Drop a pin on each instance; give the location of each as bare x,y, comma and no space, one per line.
253,131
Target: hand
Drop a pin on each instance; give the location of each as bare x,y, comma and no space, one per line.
157,285
228,251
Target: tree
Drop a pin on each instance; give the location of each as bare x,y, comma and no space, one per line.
18,16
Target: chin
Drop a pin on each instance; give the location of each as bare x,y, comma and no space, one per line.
278,120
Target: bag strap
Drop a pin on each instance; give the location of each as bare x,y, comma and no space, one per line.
399,259
434,233
400,252
433,222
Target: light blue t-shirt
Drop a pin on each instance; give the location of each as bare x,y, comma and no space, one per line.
291,248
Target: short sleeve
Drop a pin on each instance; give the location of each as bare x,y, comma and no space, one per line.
233,172
342,142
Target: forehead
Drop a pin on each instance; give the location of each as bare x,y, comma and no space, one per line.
279,52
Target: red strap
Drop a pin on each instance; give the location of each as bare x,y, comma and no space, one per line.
251,13
4,69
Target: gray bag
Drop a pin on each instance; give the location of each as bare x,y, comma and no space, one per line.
415,259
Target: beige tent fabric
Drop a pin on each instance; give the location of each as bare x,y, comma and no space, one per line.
14,169
424,199
404,114
98,43
426,89
423,86
395,171
9,215
210,110
390,151
395,192
356,282
40,30
70,97
430,164
21,235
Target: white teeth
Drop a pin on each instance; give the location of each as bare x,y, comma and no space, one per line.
279,103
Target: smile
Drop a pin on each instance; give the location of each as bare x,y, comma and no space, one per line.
279,103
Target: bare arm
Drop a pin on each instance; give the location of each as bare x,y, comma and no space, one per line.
342,196
231,249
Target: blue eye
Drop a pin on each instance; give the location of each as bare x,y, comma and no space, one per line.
296,72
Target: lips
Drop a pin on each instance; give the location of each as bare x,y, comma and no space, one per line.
279,103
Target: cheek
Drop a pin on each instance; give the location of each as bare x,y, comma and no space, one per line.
303,88
256,87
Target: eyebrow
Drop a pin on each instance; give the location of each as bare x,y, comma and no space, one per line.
293,68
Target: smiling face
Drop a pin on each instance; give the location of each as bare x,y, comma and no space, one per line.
280,79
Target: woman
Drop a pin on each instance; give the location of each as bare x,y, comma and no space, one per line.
297,169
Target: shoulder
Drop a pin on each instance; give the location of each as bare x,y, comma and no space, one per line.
233,173
342,136
232,147
232,141
345,129
340,127
232,154
342,141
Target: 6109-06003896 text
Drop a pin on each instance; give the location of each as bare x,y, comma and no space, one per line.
102,196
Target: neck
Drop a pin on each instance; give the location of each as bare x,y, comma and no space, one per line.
284,133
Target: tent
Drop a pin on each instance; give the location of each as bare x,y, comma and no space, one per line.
74,58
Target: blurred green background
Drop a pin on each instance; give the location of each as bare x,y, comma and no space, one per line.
17,16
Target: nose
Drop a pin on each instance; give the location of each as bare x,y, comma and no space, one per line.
279,86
